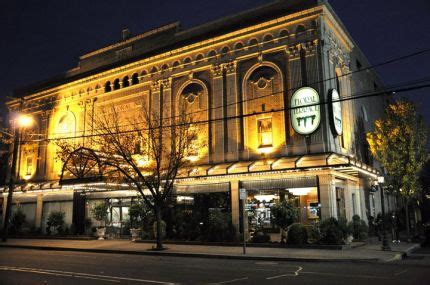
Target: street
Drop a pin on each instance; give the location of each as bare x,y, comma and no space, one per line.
23,266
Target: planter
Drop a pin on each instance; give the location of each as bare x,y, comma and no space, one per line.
135,234
101,233
349,239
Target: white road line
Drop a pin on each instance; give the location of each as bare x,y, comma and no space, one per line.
231,281
401,272
345,275
80,275
295,273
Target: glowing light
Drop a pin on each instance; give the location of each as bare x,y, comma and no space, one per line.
300,191
265,150
25,121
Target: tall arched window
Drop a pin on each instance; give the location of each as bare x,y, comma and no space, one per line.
193,98
263,96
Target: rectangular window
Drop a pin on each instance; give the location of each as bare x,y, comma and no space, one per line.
29,165
265,137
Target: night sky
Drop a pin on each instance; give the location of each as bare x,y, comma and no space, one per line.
40,39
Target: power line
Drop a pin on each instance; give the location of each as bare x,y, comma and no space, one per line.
417,81
413,54
400,89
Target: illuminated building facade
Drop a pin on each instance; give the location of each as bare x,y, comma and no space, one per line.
263,79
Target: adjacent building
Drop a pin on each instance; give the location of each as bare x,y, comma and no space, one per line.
278,86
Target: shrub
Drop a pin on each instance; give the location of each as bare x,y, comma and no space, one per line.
100,212
297,234
314,234
17,221
219,227
332,231
260,237
140,216
56,221
284,214
358,228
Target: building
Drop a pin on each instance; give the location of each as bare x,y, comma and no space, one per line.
254,75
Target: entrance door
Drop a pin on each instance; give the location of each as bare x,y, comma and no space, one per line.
340,199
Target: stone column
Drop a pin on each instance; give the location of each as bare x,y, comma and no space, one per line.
42,162
327,188
39,210
233,125
4,209
217,114
235,210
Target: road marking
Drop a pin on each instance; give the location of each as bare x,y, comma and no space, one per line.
114,279
345,275
295,273
231,281
266,263
401,272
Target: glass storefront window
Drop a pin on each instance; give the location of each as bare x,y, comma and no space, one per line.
259,204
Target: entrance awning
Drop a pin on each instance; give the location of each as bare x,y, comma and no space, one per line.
339,162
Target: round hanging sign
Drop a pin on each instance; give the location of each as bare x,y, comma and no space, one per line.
305,110
336,112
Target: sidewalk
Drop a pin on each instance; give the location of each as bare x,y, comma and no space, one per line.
367,253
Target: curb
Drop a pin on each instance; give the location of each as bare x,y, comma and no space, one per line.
193,255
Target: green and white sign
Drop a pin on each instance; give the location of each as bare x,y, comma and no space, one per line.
336,112
305,110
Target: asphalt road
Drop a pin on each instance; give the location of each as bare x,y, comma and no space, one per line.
22,266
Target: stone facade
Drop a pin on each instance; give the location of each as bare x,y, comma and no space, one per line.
243,77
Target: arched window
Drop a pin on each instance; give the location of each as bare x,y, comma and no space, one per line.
176,64
253,42
199,57
153,70
187,61
284,33
125,82
67,125
193,98
135,79
268,38
108,88
116,84
89,89
264,97
225,50
164,67
143,73
300,30
212,54
238,46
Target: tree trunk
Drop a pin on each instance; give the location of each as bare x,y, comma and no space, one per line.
158,235
408,231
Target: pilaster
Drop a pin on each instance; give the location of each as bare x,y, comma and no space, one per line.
217,113
233,125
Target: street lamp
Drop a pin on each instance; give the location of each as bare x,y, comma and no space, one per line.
21,122
385,245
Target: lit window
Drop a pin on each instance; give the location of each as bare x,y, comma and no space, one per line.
265,132
29,165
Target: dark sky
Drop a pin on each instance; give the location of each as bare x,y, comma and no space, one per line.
40,39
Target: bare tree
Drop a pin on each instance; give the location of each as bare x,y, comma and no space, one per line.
144,149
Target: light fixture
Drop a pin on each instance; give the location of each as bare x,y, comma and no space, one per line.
300,191
25,121
381,179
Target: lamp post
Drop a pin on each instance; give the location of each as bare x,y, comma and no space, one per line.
20,122
385,245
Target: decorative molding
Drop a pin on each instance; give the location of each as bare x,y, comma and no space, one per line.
216,70
231,67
